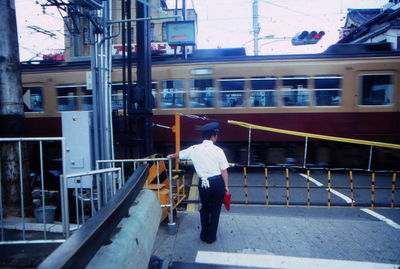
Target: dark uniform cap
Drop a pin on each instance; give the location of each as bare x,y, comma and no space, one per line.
212,126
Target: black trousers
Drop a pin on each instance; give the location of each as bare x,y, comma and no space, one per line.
211,201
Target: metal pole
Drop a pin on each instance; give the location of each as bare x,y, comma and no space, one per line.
256,26
370,158
145,105
249,147
305,152
21,182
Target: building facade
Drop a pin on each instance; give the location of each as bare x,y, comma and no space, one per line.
373,25
77,28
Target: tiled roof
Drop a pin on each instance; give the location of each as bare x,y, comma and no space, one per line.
360,16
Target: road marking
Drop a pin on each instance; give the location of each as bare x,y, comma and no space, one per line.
283,262
313,180
348,200
382,218
341,195
333,191
193,194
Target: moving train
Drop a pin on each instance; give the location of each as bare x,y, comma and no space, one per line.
350,90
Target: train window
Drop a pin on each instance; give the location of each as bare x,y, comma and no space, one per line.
67,99
172,94
33,99
263,92
376,89
117,98
87,99
294,91
232,92
327,91
202,93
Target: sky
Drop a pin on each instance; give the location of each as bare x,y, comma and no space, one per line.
221,23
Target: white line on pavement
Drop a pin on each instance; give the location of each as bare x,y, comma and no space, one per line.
348,200
283,262
344,197
382,218
313,180
333,191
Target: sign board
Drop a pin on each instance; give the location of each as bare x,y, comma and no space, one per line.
181,33
162,47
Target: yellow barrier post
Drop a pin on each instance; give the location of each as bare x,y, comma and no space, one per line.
351,187
266,186
287,186
393,188
373,190
308,188
245,185
329,188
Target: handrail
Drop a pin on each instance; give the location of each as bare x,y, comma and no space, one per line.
79,249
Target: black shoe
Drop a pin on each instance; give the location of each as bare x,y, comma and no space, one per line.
211,241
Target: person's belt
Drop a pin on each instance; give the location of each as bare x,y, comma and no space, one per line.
214,177
205,181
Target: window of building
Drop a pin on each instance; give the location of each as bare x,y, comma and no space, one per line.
294,91
33,99
172,94
327,91
67,99
263,92
164,31
376,89
232,92
202,93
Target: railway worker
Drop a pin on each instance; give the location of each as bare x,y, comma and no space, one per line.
211,166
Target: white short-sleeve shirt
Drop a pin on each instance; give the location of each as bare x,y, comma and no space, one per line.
208,159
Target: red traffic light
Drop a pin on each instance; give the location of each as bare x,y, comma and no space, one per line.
319,35
307,38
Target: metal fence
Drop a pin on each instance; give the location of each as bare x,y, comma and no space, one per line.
89,198
55,208
317,186
154,181
31,181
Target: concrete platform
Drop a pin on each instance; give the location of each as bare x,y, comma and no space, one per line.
275,237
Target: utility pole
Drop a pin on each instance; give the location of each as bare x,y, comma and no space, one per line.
256,26
12,121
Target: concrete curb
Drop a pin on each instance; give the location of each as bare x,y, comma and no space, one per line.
134,238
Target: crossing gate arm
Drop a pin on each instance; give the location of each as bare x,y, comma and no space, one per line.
323,137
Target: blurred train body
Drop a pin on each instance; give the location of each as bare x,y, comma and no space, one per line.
343,92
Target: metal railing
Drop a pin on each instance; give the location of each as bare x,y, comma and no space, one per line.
299,186
89,200
157,185
44,210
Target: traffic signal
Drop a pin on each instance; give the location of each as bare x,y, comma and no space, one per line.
307,38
